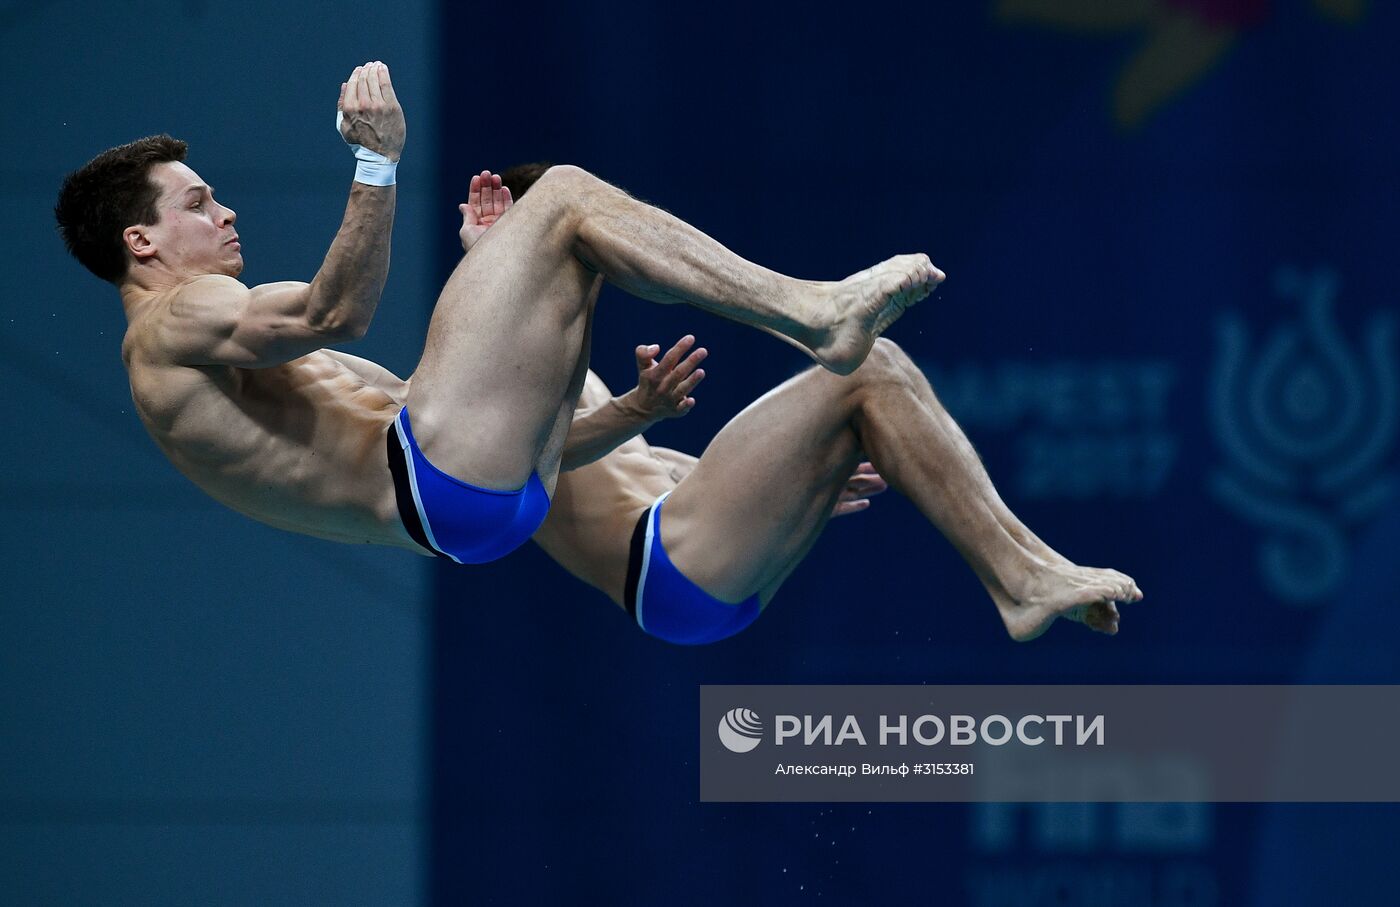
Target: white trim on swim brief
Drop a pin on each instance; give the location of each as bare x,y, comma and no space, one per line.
413,485
653,526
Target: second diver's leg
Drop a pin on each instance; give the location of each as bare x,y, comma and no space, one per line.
921,451
763,490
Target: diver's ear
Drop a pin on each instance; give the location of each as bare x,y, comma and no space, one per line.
138,242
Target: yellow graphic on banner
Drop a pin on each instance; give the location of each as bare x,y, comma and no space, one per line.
1183,40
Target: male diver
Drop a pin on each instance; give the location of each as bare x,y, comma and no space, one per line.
237,387
694,548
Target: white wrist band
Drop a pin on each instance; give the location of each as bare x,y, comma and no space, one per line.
371,167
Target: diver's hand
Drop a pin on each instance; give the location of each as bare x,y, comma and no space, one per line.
664,386
486,201
371,115
863,484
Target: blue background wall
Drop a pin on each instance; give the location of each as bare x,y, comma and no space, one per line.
196,708
1167,326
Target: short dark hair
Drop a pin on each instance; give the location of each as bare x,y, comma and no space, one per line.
108,194
521,177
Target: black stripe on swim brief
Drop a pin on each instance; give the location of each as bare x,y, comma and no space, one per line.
634,562
403,492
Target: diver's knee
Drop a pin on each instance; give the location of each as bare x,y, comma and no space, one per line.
887,361
564,183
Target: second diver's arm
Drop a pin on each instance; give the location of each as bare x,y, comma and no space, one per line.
598,430
603,422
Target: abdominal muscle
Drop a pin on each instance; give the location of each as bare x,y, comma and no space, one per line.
595,510
299,446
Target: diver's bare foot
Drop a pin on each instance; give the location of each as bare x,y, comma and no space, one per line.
865,304
1101,616
1052,590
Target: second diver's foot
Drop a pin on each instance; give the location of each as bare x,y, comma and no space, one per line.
867,303
1087,595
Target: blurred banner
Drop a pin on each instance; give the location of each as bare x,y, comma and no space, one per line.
1168,326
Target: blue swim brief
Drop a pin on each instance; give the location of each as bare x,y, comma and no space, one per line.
669,606
455,519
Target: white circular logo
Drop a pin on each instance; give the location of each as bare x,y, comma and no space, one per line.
740,730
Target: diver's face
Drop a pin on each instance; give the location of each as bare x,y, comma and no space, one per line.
194,234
